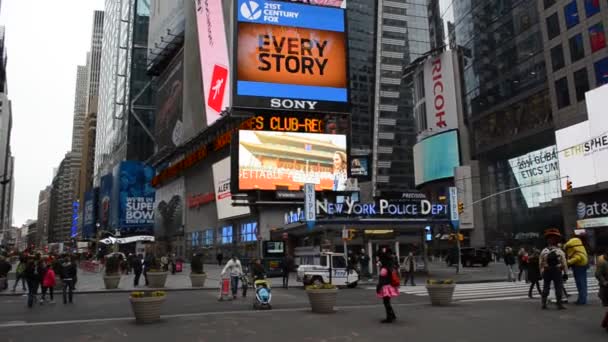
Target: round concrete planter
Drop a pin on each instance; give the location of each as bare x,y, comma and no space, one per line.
322,301
147,309
111,281
198,279
440,294
156,280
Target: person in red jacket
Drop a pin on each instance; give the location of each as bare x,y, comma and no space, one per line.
48,283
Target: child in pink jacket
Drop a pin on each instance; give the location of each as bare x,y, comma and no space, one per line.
48,283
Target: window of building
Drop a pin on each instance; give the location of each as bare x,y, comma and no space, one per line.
581,84
549,3
601,71
592,7
227,234
208,237
195,239
577,49
571,14
553,26
249,231
597,37
561,93
557,57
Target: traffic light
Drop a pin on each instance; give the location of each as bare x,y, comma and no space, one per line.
460,207
568,185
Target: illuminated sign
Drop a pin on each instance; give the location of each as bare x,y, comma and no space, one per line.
382,207
195,201
286,161
290,56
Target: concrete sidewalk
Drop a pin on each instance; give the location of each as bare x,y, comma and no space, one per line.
89,282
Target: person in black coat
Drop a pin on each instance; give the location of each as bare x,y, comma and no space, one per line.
68,277
137,265
510,262
33,278
534,275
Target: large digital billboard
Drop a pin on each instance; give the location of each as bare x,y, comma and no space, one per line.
286,161
168,129
215,66
436,157
90,217
105,200
167,21
169,209
223,196
440,92
135,212
583,148
290,56
537,175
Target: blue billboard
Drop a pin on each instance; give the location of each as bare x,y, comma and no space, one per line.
75,210
105,200
89,214
436,157
290,56
135,212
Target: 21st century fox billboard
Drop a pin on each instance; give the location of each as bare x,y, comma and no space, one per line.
290,56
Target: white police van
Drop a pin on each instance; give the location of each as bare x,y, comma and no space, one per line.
319,274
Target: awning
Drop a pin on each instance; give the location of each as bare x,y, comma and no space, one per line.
112,240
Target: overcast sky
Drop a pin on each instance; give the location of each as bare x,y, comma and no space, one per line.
45,40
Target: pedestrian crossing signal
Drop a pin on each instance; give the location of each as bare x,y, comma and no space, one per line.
460,207
568,185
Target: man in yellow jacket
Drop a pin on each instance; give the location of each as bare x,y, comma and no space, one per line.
579,261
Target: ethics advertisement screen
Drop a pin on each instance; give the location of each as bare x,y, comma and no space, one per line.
286,161
290,56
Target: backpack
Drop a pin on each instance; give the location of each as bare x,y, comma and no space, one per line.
395,281
553,259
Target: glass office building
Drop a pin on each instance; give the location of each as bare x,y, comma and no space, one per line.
124,87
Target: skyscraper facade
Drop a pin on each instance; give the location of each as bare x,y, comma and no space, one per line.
402,35
80,104
87,165
507,111
44,210
124,111
6,158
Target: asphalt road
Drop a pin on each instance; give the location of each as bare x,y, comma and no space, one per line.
198,316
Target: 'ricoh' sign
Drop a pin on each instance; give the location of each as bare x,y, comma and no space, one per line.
440,93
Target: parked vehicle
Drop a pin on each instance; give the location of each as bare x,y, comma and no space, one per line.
319,274
470,257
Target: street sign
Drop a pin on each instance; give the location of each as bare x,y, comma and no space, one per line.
454,217
310,212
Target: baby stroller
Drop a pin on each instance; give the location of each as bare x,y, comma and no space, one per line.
263,295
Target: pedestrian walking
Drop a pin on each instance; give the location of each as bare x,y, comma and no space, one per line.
286,265
5,268
235,270
522,261
601,273
409,266
387,288
534,275
68,274
164,263
172,263
510,262
137,265
552,265
579,261
20,273
364,263
219,257
32,277
130,259
48,284
148,262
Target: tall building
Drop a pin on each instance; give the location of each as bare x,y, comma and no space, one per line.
80,103
574,41
62,199
6,158
44,210
362,67
125,111
402,36
90,123
507,113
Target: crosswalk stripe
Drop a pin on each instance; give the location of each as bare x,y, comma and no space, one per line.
494,291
